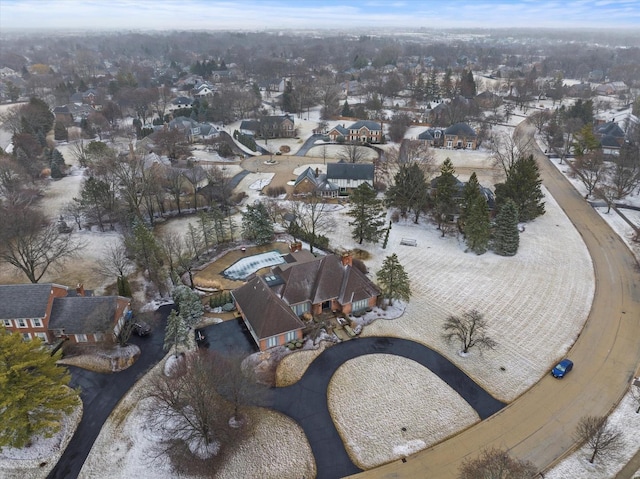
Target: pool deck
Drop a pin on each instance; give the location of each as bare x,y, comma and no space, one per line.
213,271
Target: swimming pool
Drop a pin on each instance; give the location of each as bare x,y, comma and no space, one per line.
245,267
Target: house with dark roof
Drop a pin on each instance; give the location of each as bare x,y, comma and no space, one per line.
365,131
272,126
271,304
52,311
348,176
459,136
611,137
312,181
180,102
338,133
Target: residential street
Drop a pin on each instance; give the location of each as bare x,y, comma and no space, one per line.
539,425
100,394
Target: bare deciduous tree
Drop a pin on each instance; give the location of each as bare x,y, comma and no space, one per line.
590,169
114,262
313,216
31,244
352,153
506,151
601,438
496,464
470,330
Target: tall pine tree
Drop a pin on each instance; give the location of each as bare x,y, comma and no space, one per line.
523,187
394,280
34,392
446,205
506,239
256,224
176,332
367,213
477,228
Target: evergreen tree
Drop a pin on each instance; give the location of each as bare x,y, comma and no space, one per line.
419,89
506,237
288,99
346,110
367,213
394,280
467,84
469,195
523,187
432,89
446,205
60,132
447,83
256,224
176,332
477,228
34,392
409,193
189,305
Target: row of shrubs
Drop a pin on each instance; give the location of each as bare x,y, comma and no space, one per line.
220,299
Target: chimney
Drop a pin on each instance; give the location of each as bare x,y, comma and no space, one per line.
317,171
347,259
295,246
80,289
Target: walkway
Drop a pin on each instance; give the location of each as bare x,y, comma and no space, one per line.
539,425
306,401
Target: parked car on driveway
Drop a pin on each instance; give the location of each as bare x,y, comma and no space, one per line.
562,368
141,328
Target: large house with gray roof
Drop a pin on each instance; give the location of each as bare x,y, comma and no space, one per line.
458,136
52,312
348,176
271,304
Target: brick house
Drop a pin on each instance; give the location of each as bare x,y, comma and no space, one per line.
312,181
459,136
365,131
338,133
273,126
51,311
271,304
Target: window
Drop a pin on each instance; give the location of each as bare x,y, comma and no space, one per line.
22,323
7,322
290,336
469,144
36,323
26,337
81,338
99,336
272,341
449,144
359,305
300,308
42,336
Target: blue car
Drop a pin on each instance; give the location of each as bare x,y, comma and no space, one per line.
562,368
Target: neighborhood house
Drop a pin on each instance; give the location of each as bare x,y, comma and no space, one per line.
52,312
271,304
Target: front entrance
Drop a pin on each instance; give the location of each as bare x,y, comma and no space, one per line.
326,305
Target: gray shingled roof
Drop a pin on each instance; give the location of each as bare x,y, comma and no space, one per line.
83,315
350,171
267,314
369,124
24,300
460,129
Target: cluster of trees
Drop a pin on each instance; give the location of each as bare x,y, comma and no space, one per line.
465,208
182,321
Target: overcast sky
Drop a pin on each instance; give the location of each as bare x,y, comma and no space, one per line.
303,14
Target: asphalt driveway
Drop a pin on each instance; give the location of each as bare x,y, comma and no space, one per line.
228,337
101,392
306,401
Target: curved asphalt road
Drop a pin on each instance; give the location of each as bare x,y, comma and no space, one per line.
306,401
101,392
539,425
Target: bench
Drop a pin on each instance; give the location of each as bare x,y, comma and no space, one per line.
408,242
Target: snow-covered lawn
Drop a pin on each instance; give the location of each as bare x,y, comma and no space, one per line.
577,465
37,460
126,447
535,303
386,407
